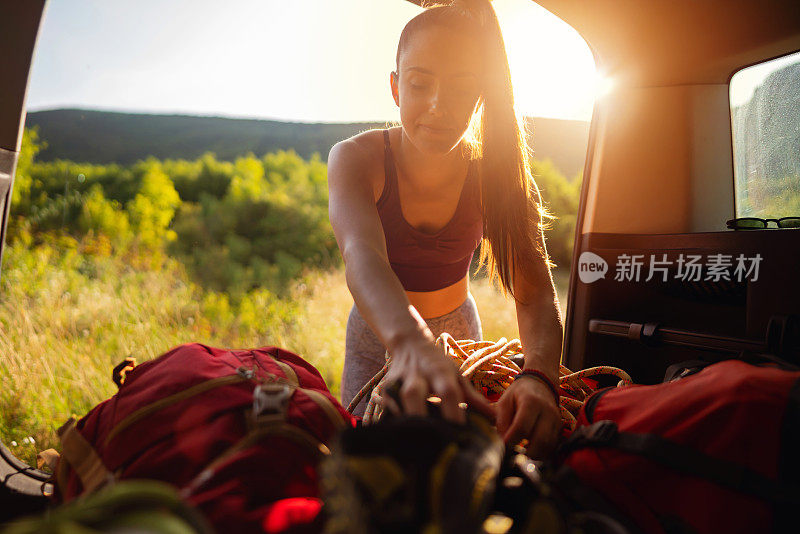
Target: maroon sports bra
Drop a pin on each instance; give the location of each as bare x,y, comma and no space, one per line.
424,261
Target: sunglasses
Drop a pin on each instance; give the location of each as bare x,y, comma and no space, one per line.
754,223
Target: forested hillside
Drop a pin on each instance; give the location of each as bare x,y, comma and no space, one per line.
124,138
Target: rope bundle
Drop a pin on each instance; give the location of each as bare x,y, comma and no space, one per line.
491,367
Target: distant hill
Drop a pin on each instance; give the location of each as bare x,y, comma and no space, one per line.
112,137
767,148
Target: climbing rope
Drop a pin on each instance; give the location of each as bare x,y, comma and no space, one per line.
491,367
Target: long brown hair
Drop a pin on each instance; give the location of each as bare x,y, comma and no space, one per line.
512,210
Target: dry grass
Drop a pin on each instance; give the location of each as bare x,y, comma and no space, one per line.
498,314
318,331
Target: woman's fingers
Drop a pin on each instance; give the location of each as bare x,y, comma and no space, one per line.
446,387
476,400
413,393
437,376
505,411
521,426
452,390
390,404
538,429
542,440
532,417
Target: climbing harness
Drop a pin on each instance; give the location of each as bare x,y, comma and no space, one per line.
491,367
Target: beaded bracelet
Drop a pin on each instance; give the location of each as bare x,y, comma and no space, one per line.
535,373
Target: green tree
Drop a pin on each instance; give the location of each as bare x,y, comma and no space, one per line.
23,182
100,216
152,209
560,197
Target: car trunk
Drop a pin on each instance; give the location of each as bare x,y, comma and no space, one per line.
659,186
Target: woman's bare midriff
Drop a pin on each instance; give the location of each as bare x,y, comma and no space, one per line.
440,302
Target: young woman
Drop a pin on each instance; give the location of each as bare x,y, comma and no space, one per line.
410,204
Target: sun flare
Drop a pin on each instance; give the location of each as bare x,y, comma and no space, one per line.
552,67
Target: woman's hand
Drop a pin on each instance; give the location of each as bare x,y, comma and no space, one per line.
425,370
527,410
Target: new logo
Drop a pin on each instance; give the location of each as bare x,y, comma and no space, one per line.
591,267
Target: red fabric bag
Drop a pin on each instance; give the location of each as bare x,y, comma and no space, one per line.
717,451
240,431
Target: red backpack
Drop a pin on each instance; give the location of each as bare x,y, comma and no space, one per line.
717,451
240,431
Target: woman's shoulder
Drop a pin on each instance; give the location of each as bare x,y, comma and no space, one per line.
365,146
363,152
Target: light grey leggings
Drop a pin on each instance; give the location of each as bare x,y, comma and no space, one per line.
365,354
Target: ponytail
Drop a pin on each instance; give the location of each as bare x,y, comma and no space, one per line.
512,210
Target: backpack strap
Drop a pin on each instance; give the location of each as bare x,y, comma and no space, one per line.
197,389
682,459
120,372
80,454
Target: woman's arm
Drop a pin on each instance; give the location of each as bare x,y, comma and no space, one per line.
540,324
380,296
527,408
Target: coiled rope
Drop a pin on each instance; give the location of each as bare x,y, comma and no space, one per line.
491,367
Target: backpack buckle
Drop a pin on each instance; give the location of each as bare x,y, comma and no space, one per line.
597,434
601,432
246,373
271,399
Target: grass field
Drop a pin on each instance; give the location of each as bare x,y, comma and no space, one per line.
66,319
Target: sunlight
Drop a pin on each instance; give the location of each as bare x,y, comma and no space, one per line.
552,67
603,85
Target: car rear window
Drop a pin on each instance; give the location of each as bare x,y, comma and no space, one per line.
765,111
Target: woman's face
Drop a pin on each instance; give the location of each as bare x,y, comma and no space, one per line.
437,88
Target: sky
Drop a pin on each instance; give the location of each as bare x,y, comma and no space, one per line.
746,80
295,60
